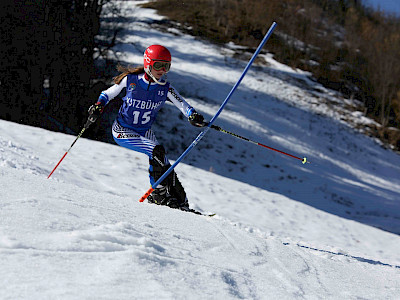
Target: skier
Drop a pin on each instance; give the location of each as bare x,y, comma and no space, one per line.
146,93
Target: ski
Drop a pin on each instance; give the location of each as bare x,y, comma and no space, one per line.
197,212
186,209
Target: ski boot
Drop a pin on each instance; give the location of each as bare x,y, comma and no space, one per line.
161,196
170,192
175,203
158,196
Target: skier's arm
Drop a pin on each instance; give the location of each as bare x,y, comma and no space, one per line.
194,117
106,96
179,102
112,92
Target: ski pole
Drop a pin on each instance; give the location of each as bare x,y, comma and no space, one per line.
90,120
200,136
303,160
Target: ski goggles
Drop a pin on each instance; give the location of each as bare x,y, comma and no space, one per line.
159,65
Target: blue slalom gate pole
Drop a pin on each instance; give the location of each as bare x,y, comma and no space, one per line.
201,135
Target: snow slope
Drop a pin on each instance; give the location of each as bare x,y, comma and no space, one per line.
74,237
350,175
282,229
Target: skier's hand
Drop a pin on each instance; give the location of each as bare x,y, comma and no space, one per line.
96,109
197,120
94,112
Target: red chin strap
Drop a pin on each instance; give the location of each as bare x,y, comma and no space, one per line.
147,77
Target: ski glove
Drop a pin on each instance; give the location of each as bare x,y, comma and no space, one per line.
197,120
95,111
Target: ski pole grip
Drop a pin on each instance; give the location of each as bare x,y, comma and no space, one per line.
216,127
88,123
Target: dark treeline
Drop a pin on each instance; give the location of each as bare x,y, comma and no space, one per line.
345,45
46,60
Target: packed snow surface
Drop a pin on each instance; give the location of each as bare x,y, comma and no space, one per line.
324,230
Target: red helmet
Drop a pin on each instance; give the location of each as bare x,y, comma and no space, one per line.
156,53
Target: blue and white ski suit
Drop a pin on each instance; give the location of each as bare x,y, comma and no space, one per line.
132,127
